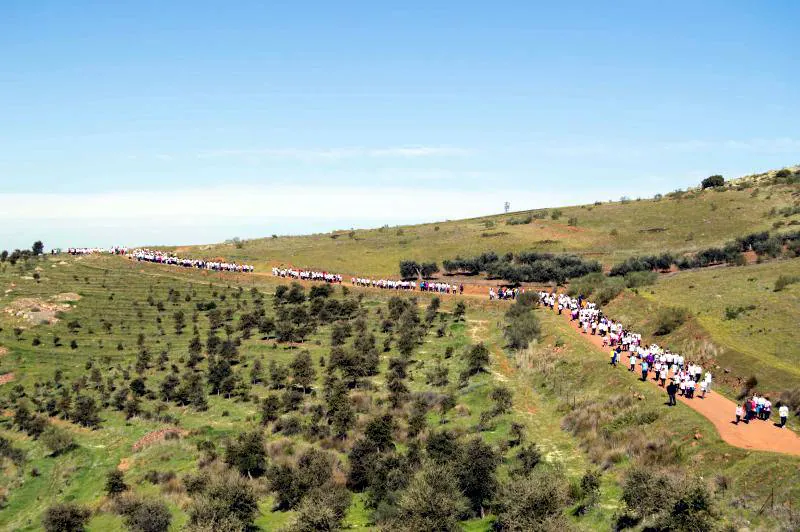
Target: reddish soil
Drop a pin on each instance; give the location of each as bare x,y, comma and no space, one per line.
757,435
155,436
8,377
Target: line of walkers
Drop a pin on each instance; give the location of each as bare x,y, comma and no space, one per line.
423,286
160,257
116,250
307,275
388,284
669,370
505,293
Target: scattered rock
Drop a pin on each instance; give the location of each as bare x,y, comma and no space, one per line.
66,296
698,436
36,310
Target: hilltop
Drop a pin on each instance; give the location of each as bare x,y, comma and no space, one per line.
678,221
158,397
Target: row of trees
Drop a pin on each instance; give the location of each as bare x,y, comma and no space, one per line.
22,254
411,269
523,267
762,243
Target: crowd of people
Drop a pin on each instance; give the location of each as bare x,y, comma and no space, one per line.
364,282
386,284
307,275
441,288
160,257
672,371
116,250
423,286
505,293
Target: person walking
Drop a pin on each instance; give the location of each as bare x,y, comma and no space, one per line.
783,412
739,413
672,389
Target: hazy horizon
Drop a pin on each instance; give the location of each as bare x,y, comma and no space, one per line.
182,122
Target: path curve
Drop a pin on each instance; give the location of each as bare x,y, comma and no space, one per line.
757,435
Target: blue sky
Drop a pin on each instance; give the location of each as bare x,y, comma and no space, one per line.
190,122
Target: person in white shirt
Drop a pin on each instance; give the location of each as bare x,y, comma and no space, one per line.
783,412
766,412
739,413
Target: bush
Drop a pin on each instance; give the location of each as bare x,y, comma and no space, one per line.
115,482
323,508
668,319
247,454
533,502
432,501
691,511
637,279
148,516
785,280
228,499
647,493
520,221
65,517
57,440
713,181
602,289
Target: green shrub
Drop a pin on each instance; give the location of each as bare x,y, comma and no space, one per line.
533,502
598,287
65,517
637,279
432,501
785,280
520,221
57,440
713,181
668,319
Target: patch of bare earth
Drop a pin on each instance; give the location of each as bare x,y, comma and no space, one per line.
35,310
3,351
6,378
66,296
156,436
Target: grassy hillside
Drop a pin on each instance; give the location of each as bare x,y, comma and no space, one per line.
608,231
738,320
556,384
113,301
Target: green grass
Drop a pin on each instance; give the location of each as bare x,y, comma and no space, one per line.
551,385
695,221
578,375
79,475
762,340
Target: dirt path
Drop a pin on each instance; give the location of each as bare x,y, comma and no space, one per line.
757,435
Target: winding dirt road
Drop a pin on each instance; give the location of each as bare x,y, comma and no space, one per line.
757,435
